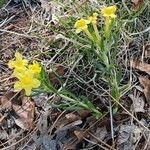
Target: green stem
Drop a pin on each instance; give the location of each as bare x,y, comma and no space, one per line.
107,27
96,31
89,34
93,110
73,100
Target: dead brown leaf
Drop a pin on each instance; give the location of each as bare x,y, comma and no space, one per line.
140,66
61,123
137,4
25,113
100,133
83,113
69,126
79,134
147,50
5,102
72,117
138,102
7,99
59,71
78,137
146,84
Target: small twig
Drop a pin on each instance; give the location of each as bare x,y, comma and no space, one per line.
104,148
18,34
6,21
111,122
52,127
99,140
141,32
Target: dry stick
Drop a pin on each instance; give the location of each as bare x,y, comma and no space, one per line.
6,79
129,113
6,4
35,123
50,130
6,148
93,125
71,70
126,110
101,141
18,34
18,135
60,36
7,20
1,119
141,137
6,47
126,7
111,123
147,146
104,148
11,139
57,53
141,32
132,116
83,81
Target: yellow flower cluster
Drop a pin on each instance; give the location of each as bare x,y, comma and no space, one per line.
109,14
109,11
93,19
82,24
26,74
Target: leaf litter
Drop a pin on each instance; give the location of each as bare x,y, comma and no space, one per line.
138,102
19,117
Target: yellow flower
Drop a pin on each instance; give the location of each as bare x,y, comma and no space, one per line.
17,71
26,82
81,25
93,19
18,64
109,11
35,68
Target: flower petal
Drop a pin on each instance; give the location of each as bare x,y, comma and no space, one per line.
78,30
17,86
36,83
28,91
11,64
18,56
87,22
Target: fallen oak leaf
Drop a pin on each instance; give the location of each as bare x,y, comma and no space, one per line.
7,99
140,66
72,117
69,126
5,103
83,113
25,114
146,84
137,4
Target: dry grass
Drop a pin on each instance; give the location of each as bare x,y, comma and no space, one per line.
37,34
